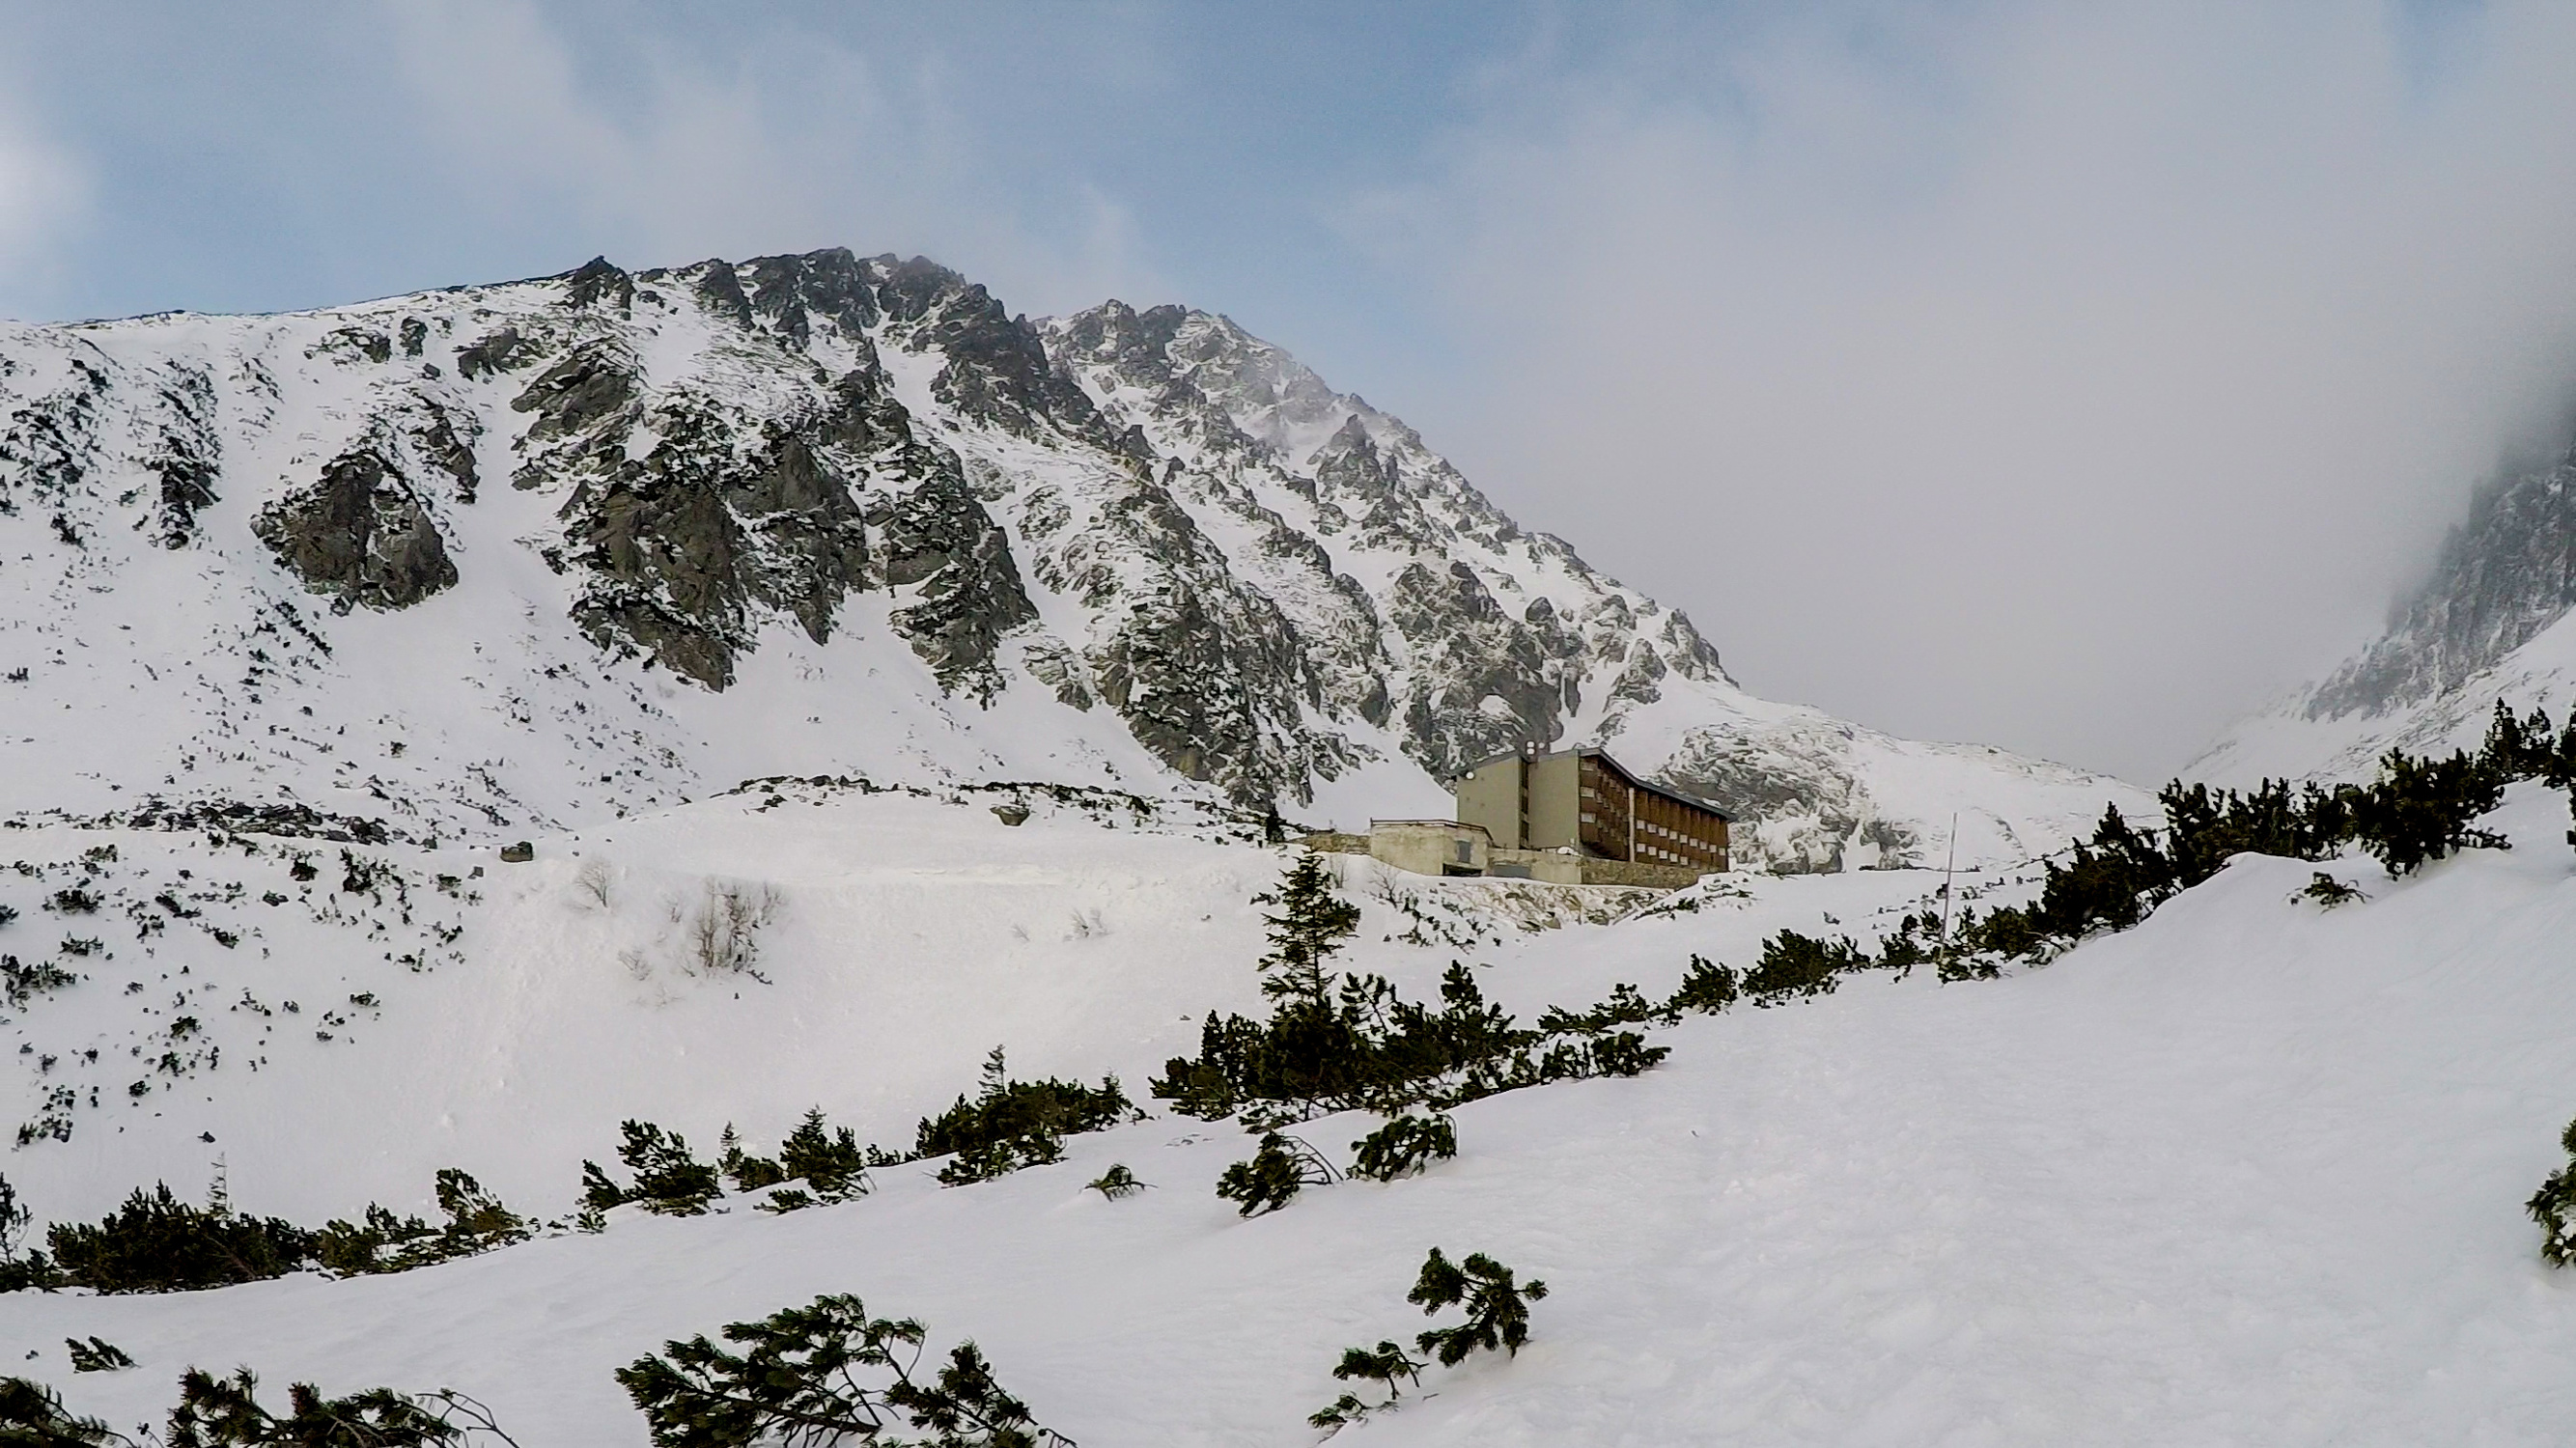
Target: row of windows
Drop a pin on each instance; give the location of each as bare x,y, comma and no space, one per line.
1650,827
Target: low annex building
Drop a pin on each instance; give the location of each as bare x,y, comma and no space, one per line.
1573,817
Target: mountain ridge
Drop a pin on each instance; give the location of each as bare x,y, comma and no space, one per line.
512,556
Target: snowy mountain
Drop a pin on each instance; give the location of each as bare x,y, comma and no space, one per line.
512,558
2490,623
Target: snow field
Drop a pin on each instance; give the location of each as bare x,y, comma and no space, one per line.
2251,1173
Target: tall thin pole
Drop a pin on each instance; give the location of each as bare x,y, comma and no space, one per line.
1948,876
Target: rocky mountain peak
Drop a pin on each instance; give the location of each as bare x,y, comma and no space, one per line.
2490,622
804,514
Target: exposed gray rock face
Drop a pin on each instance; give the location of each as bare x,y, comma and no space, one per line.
187,453
444,438
716,518
2506,573
1453,647
939,542
359,534
51,440
996,368
1473,656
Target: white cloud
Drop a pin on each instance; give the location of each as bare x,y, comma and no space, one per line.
2058,375
777,139
43,195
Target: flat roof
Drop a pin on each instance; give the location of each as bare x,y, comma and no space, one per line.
1434,825
1595,751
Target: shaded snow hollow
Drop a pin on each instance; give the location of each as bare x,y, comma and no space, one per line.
2251,1173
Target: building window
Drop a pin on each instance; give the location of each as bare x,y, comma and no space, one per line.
1466,851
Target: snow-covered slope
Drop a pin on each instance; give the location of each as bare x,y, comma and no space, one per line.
2251,1172
534,555
2491,623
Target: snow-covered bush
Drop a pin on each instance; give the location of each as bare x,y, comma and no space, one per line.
722,934
1796,967
226,1413
1382,1365
1338,1041
1706,987
2419,809
820,1375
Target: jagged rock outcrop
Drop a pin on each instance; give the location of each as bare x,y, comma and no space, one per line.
939,543
360,534
2505,573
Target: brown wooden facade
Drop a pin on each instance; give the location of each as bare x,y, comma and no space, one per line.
1584,800
1624,818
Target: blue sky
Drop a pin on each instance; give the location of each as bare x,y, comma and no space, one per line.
2069,378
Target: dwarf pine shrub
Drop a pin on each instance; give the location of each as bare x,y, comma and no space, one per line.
1404,1146
97,1355
1794,967
2554,1207
822,1375
23,983
827,1159
18,1270
33,1414
381,1242
1706,987
1497,1310
748,1173
2418,810
227,1413
1281,1167
1013,1124
1118,1183
157,1243
1382,1365
668,1180
1350,1042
